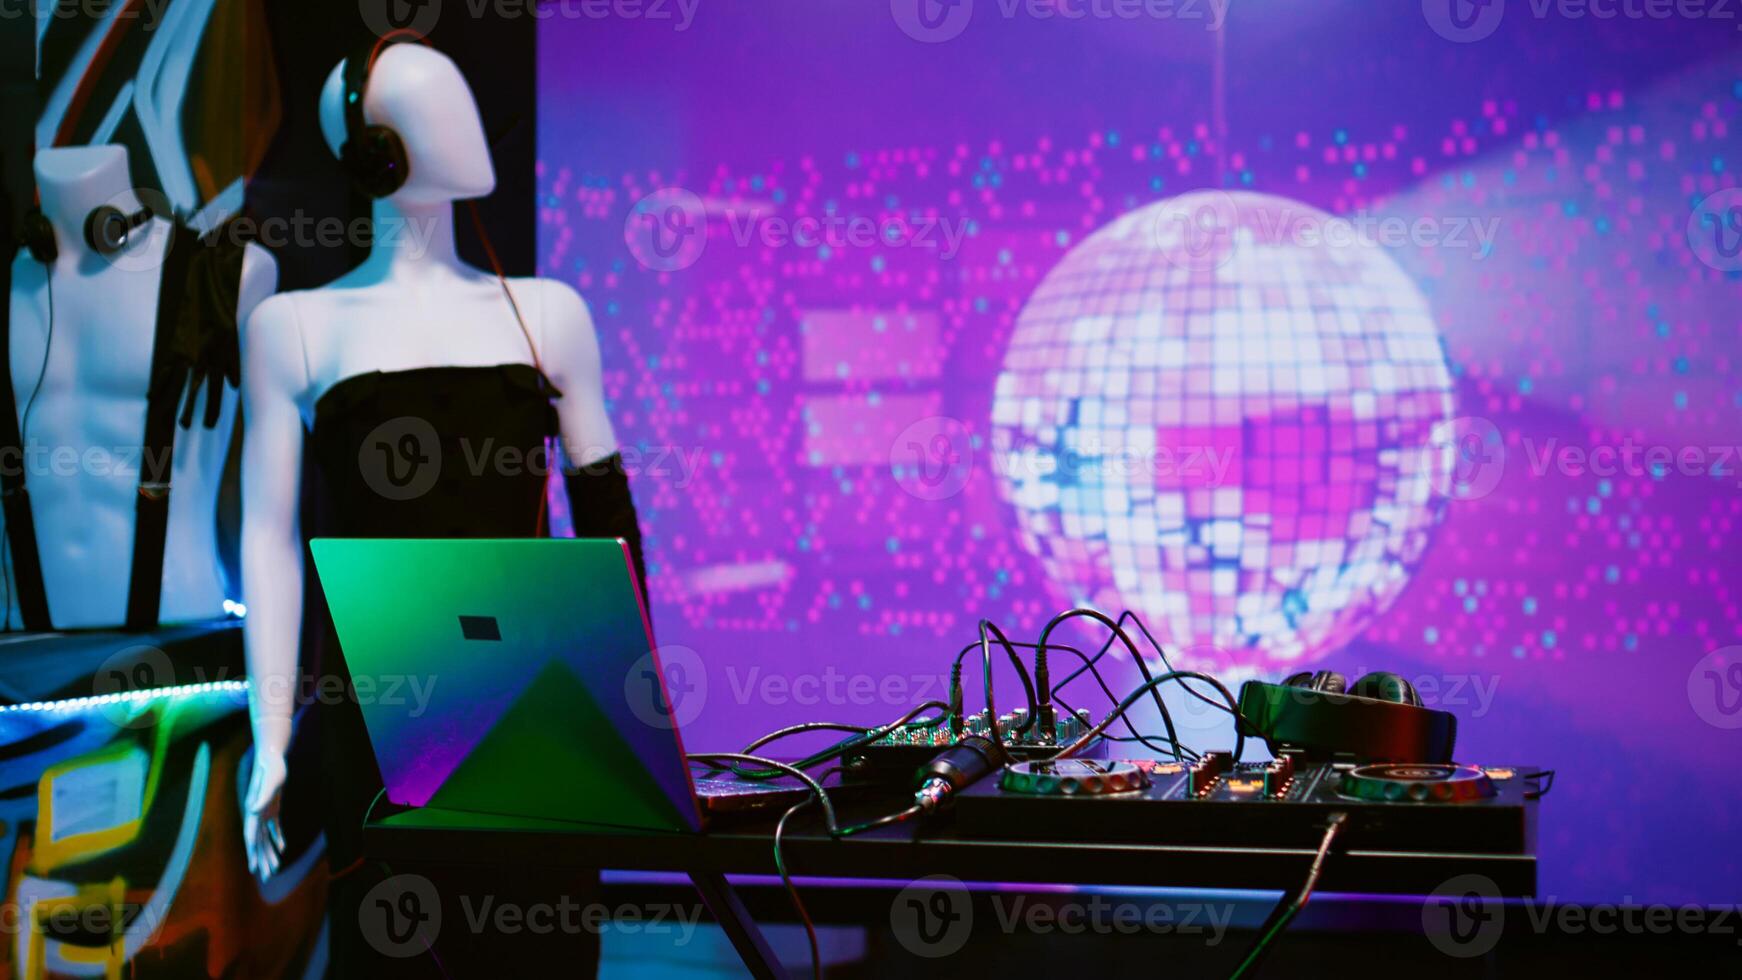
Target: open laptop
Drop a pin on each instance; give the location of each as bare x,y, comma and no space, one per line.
518,678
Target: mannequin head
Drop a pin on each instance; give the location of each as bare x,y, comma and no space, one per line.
420,93
75,181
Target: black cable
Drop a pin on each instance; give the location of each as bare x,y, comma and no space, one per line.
986,668
809,726
1130,617
810,928
1285,910
1136,736
1161,651
1148,687
786,769
1542,787
859,737
1096,674
818,795
41,372
1105,647
804,916
899,816
1119,632
1015,661
24,427
6,570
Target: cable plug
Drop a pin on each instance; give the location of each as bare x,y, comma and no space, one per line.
957,767
957,723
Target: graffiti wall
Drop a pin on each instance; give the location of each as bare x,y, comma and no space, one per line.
189,87
120,827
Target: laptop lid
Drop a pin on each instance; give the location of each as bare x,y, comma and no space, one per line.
497,675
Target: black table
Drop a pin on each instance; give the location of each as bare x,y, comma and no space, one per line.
906,851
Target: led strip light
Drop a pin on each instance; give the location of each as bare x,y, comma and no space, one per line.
130,697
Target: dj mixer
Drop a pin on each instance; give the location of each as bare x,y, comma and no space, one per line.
1285,803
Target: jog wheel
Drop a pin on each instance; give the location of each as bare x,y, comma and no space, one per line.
1072,777
1417,783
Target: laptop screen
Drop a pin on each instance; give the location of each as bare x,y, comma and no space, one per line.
513,677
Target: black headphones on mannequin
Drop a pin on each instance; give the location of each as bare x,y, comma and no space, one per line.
374,156
108,230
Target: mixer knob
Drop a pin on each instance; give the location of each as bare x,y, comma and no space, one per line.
1209,768
1277,776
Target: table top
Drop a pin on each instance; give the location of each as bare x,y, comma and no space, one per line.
78,663
914,850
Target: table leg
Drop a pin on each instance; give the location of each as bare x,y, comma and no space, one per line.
729,912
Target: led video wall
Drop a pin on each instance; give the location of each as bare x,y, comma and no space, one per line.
1317,335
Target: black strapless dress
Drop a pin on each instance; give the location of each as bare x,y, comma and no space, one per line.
434,453
420,454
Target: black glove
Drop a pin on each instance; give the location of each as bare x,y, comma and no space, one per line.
602,507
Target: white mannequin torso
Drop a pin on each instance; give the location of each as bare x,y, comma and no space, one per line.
412,304
86,424
459,319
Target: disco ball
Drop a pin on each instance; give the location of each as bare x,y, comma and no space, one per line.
1221,412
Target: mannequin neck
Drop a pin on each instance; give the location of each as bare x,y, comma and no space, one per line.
72,187
414,242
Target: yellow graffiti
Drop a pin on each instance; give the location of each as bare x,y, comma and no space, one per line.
112,896
54,850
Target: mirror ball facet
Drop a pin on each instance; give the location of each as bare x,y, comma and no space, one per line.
1222,411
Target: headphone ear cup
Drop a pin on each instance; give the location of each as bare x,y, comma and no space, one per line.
1328,681
375,158
1383,685
39,238
106,230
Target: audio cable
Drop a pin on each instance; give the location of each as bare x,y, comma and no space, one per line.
819,795
1015,661
974,756
860,736
1130,617
1044,691
1148,687
1155,743
986,625
1286,910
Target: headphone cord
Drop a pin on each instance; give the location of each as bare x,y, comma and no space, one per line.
24,429
539,529
41,372
496,267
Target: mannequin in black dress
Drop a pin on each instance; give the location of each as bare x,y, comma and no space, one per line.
408,377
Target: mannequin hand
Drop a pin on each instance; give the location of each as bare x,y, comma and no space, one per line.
261,835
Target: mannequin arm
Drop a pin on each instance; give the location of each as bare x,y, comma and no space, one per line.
259,280
598,487
274,378
570,350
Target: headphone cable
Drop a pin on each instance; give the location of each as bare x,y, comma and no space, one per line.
496,267
24,428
